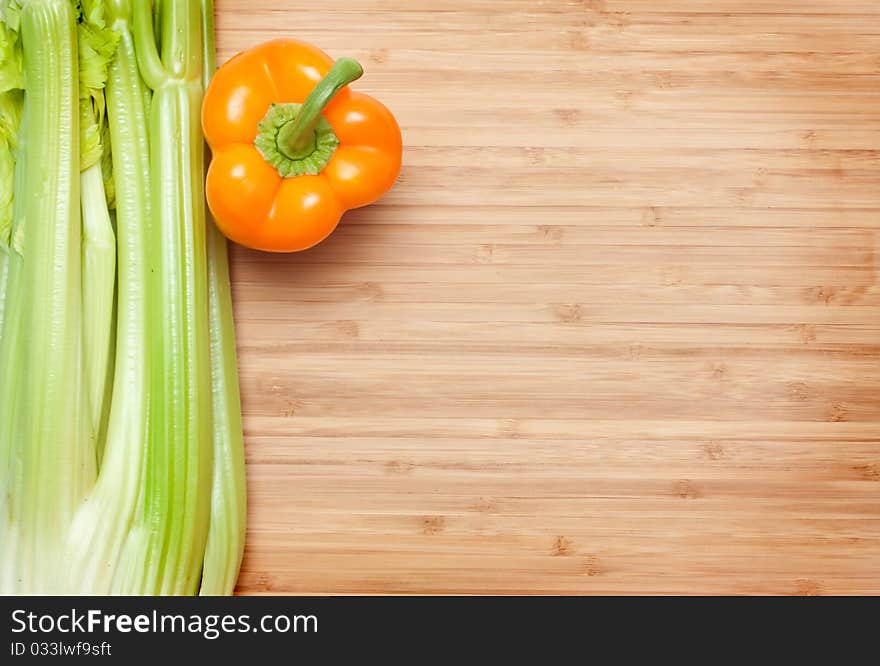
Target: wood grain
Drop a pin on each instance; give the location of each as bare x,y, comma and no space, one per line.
617,328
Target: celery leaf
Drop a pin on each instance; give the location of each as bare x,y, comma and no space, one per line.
11,104
97,47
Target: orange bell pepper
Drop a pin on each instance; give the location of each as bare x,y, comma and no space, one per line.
293,147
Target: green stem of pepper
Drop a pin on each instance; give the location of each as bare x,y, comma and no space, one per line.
297,139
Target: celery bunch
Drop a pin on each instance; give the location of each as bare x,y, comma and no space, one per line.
121,458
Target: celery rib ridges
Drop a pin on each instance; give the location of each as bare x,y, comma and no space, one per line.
121,456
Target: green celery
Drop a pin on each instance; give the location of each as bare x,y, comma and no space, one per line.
11,103
47,431
121,453
105,545
11,177
226,535
97,48
177,493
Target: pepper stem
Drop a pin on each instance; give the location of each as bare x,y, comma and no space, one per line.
298,139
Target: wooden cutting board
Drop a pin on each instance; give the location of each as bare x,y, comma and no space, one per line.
616,330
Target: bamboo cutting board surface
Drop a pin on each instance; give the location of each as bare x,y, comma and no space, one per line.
617,328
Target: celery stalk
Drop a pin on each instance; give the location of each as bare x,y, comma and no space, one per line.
4,279
11,106
121,456
177,493
226,535
10,335
50,447
98,285
105,545
97,48
11,183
